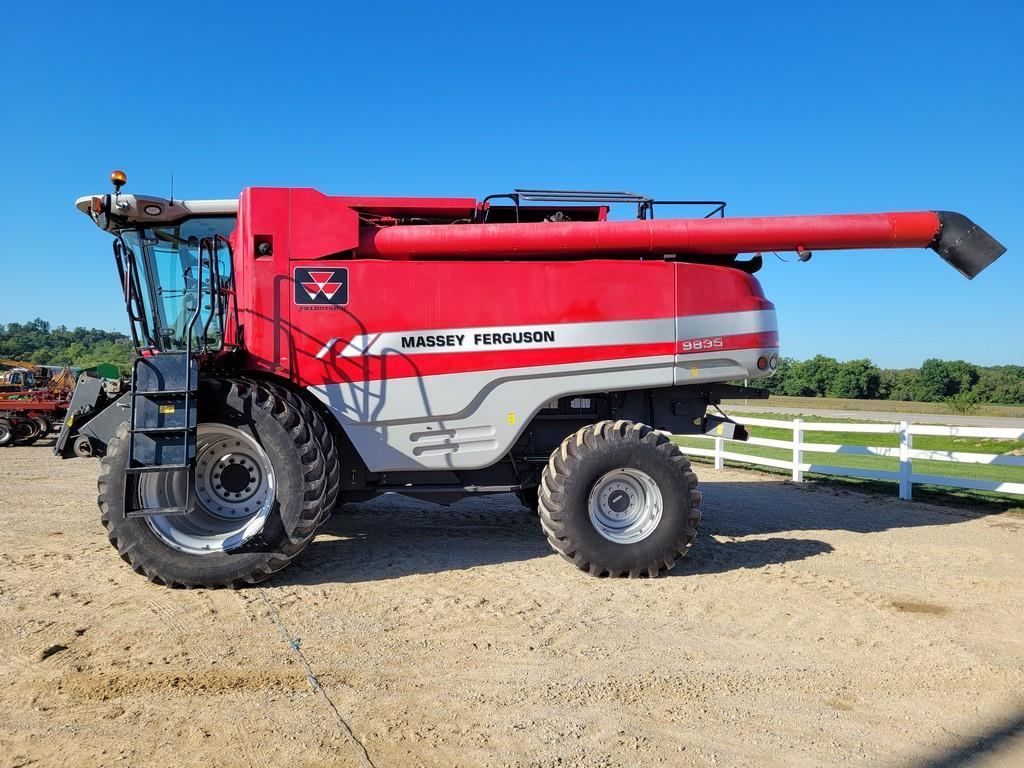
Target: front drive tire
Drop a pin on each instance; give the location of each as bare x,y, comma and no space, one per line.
619,499
238,542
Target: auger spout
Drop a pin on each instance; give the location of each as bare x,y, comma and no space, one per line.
957,239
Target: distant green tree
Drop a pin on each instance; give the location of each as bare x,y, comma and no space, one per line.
965,375
939,379
1001,384
39,342
898,384
857,379
935,381
811,378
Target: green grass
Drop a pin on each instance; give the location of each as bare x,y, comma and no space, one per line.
925,442
889,406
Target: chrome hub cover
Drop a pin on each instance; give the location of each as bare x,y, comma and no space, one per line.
625,505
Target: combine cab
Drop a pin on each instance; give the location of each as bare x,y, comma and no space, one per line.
298,350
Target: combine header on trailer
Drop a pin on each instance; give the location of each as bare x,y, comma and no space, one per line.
298,350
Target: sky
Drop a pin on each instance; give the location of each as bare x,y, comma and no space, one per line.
777,108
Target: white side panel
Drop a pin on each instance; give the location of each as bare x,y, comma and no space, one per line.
470,420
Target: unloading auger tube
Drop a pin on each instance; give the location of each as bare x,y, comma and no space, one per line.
300,350
957,239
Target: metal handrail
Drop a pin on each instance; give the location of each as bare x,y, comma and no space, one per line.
648,207
210,246
644,203
190,326
222,291
128,272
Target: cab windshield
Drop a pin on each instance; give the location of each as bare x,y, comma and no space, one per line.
166,259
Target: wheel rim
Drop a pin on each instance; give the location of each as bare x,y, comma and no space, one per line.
625,506
234,494
5,433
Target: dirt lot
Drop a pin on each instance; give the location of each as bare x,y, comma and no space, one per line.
808,627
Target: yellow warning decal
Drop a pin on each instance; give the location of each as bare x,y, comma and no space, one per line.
720,430
166,409
511,417
693,372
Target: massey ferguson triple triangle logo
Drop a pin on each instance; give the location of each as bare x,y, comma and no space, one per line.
324,286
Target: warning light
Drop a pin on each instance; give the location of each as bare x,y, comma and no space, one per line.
118,179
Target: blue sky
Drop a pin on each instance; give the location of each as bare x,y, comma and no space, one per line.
778,108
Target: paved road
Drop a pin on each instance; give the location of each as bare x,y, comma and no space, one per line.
916,418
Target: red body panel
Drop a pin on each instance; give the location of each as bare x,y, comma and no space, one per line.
453,207
308,229
388,296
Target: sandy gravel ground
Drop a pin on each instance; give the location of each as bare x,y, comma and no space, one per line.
808,627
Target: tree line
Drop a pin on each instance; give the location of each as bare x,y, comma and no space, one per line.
950,381
38,342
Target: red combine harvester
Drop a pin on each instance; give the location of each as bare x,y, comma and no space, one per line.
297,350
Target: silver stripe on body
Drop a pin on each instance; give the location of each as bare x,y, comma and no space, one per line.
556,335
725,324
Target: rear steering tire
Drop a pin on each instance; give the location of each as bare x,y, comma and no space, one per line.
618,499
261,490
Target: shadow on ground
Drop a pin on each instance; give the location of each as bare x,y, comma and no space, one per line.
988,742
394,536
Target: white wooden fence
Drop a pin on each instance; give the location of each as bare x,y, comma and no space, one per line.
906,452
